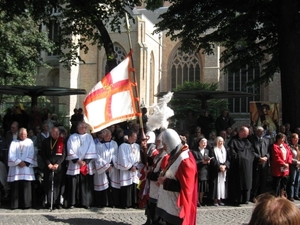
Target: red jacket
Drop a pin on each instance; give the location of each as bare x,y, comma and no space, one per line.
277,160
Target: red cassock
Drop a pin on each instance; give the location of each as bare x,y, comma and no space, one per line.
188,197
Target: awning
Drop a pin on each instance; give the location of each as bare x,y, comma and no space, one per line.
35,91
204,95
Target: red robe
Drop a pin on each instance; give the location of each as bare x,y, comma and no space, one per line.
188,197
185,172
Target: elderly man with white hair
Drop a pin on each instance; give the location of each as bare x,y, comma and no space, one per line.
177,200
21,160
261,162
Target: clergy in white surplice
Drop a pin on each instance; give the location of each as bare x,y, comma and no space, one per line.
107,175
128,161
21,160
81,152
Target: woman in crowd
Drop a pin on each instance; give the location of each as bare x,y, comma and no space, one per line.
294,178
196,138
211,140
201,154
280,160
271,210
219,165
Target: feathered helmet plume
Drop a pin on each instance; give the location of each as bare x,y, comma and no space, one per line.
161,113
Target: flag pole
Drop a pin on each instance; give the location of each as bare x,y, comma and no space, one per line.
143,136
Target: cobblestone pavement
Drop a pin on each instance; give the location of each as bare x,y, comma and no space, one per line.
208,215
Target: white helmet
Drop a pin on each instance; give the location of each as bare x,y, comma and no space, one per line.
171,139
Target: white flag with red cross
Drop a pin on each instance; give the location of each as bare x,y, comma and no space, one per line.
112,100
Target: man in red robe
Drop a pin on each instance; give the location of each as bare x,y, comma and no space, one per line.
177,197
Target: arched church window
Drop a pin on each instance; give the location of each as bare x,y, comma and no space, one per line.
54,28
185,67
120,53
237,82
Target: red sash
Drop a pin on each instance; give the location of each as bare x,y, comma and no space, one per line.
60,146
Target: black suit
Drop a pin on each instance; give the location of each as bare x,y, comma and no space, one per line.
260,170
202,168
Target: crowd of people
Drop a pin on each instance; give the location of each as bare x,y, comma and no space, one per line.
169,173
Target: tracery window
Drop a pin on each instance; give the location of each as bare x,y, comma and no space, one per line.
185,67
237,82
120,53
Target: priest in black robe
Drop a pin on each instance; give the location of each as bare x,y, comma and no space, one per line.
241,156
53,154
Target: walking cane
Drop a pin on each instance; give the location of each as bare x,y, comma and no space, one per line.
52,187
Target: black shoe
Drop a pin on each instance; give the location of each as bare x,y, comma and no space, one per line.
236,204
58,207
87,207
291,199
245,202
297,198
72,207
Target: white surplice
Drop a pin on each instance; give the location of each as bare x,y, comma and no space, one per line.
80,146
128,156
106,156
21,151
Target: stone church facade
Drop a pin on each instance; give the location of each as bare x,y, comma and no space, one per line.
160,66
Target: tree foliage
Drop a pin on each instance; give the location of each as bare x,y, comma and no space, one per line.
87,20
22,39
181,106
21,45
265,32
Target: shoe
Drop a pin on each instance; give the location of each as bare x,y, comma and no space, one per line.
291,199
221,204
253,200
245,202
297,198
236,204
87,207
72,207
216,204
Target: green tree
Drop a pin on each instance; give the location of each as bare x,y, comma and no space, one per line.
20,49
181,106
87,19
265,32
21,46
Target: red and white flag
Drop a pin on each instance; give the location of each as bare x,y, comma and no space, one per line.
112,100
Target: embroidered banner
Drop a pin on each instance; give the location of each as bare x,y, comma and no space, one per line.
112,100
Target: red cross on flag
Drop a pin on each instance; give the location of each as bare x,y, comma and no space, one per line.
112,100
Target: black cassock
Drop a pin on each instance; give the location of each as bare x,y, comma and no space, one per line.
49,156
241,156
